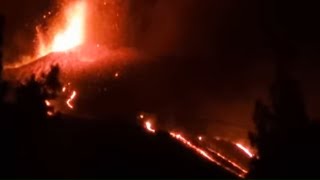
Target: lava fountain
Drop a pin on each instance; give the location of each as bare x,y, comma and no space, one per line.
69,36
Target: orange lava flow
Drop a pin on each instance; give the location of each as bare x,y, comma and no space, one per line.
205,154
71,35
229,161
73,95
149,127
202,152
245,150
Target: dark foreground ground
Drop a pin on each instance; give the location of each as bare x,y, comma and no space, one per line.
67,147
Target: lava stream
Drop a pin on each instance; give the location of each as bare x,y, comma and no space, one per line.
245,150
149,127
73,95
204,153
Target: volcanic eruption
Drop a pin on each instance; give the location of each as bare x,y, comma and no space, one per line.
84,63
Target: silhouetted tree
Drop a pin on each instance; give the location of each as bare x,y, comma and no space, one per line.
281,135
31,124
52,83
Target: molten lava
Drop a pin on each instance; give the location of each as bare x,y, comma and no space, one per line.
47,103
208,153
69,101
149,127
71,35
208,156
245,150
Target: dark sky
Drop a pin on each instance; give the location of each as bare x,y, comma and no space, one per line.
229,46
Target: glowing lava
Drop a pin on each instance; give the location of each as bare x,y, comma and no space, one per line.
47,103
207,155
244,149
69,36
73,95
149,127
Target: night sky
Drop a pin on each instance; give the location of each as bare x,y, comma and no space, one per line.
228,47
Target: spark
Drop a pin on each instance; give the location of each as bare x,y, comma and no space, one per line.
200,138
149,127
116,75
64,89
245,150
73,95
141,116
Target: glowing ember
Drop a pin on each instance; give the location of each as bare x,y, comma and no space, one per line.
200,138
244,149
73,95
64,89
49,113
116,75
70,36
141,116
47,103
149,127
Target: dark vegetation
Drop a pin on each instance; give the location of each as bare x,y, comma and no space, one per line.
285,136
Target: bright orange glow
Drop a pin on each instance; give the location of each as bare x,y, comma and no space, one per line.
73,95
204,153
64,89
69,36
200,138
141,116
229,161
245,150
149,127
47,103
116,75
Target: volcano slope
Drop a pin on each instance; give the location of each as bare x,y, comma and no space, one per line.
69,147
125,150
108,142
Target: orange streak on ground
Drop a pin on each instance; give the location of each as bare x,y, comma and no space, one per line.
73,95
